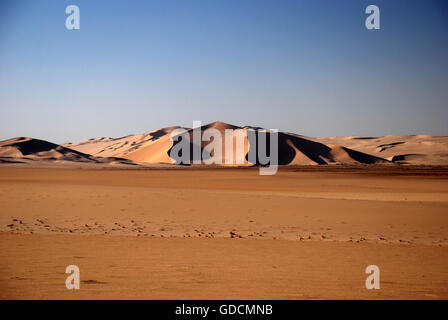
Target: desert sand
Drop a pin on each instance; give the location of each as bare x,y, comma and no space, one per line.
200,233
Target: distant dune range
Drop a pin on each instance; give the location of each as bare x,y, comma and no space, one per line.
153,149
411,149
35,151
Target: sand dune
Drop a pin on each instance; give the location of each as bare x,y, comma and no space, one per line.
28,150
110,147
411,149
300,151
155,151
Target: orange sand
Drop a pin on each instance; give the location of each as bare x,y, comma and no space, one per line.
156,234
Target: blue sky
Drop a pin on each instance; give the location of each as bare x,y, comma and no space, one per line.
309,67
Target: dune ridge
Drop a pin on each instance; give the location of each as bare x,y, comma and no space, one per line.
154,148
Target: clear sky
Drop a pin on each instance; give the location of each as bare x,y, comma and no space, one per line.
309,67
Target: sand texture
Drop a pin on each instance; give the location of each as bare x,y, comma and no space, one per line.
306,232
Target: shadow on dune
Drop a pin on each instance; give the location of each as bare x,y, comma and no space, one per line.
313,150
365,138
158,134
33,146
286,153
7,160
363,157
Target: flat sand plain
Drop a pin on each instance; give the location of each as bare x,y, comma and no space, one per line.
304,233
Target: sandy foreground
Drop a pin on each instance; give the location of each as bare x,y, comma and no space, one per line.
224,233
